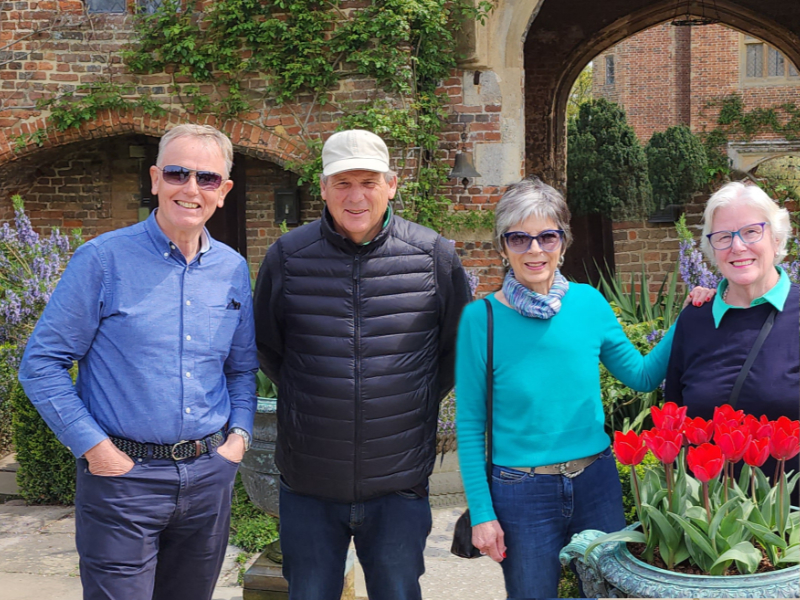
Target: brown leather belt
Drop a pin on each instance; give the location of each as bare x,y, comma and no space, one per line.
571,468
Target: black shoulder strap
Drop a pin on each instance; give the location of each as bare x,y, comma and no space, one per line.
751,358
489,383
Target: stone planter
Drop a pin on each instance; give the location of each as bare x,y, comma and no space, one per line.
611,571
259,474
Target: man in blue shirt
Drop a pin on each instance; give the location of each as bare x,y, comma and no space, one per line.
159,318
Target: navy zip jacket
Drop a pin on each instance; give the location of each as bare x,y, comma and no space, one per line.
361,341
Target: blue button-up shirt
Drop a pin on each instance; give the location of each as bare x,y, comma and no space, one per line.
166,350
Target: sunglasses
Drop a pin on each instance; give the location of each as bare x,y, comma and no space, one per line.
206,180
520,242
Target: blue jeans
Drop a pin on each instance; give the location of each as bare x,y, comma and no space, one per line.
540,513
389,534
158,532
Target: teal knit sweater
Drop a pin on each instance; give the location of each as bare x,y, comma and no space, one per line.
547,406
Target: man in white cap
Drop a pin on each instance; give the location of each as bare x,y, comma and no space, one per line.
356,318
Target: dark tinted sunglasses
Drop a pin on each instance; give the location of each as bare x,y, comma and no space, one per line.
520,242
176,175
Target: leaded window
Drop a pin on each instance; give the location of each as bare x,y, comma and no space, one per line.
755,60
776,66
105,6
611,76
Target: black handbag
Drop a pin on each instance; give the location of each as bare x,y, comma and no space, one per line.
462,535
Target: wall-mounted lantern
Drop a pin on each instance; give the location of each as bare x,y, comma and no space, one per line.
463,168
287,206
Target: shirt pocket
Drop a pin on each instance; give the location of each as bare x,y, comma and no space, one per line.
222,326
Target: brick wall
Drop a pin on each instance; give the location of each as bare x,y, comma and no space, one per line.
653,247
668,75
72,48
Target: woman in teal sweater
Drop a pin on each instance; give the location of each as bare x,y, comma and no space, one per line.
553,473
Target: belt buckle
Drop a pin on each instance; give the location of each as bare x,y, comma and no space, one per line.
562,468
174,446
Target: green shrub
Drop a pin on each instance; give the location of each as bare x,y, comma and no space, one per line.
46,468
607,168
8,379
677,165
251,528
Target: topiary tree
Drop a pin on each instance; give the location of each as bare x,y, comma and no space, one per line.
606,167
677,165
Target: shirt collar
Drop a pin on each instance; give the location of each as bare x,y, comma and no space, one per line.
386,220
164,244
775,296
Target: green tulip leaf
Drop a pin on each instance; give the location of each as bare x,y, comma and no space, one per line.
617,536
744,553
722,512
764,535
682,553
794,535
668,533
698,537
744,477
792,555
730,522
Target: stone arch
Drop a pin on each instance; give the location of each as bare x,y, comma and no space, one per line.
248,138
566,46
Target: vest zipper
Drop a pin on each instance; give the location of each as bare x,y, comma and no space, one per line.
357,375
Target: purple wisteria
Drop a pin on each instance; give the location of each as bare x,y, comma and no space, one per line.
30,267
694,270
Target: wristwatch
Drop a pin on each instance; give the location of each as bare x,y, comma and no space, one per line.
244,434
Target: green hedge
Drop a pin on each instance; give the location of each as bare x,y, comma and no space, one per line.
8,380
46,468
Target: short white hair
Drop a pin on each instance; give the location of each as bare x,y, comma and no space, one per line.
751,195
207,134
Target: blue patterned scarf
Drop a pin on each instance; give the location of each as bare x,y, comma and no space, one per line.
531,304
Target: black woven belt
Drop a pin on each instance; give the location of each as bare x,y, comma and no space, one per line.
179,451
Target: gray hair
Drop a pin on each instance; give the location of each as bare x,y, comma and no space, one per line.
531,198
750,195
207,134
389,176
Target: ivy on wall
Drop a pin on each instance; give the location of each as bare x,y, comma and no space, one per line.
734,122
296,52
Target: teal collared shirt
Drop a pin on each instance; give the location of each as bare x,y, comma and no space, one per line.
776,296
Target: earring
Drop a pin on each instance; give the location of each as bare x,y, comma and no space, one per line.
560,260
506,264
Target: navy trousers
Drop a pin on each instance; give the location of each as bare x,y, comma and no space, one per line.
389,534
158,532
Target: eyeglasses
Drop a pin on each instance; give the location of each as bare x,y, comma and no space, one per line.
206,180
519,242
749,234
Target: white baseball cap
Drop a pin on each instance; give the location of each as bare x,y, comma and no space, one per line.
354,149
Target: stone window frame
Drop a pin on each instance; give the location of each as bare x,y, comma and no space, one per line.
770,60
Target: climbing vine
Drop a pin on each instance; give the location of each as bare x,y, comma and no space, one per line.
304,48
735,122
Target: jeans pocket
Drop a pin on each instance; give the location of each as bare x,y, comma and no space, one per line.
225,460
508,476
408,494
606,454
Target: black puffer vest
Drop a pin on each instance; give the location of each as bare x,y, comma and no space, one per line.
358,384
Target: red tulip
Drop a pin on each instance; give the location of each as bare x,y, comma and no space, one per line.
698,430
705,461
733,441
785,441
629,447
727,416
664,444
759,428
757,452
670,416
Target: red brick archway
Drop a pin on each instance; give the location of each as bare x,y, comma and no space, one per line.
247,138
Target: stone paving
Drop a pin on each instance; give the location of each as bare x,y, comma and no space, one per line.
39,558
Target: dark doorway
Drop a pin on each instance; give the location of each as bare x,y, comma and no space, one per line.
592,249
